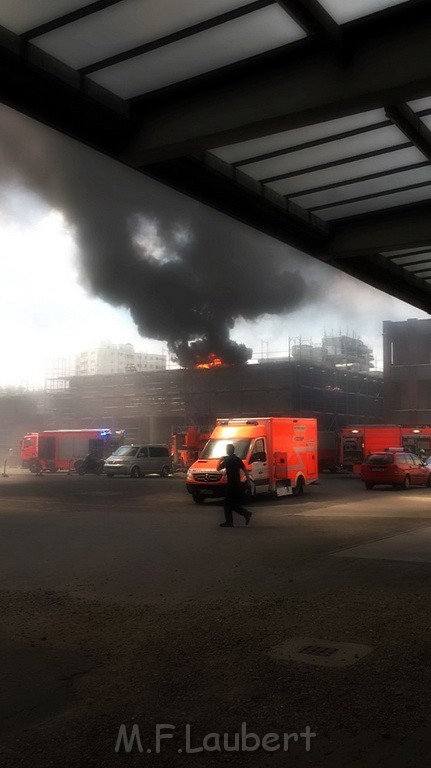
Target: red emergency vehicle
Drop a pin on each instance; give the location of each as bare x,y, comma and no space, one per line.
51,450
327,441
279,453
186,445
356,442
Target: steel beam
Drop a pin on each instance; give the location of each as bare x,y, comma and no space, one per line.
299,85
174,37
379,272
314,19
394,230
38,85
411,126
270,214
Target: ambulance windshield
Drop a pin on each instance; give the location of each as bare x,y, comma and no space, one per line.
216,449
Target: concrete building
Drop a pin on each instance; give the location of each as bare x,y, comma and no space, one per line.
407,371
110,358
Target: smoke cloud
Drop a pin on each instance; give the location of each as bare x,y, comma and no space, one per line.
185,272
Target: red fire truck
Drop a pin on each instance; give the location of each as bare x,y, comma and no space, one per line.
186,445
357,441
327,451
51,450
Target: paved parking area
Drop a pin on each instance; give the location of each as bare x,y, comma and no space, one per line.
124,603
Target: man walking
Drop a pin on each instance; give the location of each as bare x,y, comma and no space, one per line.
233,464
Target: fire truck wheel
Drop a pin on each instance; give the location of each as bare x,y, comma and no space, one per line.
429,481
165,471
135,472
369,486
35,468
53,469
198,499
298,490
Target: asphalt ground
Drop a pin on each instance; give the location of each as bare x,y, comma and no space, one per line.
124,604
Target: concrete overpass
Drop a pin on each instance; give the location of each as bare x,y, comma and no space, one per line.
307,120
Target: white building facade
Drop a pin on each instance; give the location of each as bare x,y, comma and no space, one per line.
116,358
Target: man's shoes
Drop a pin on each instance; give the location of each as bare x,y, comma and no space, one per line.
248,517
226,525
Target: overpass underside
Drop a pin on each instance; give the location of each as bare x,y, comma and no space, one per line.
307,120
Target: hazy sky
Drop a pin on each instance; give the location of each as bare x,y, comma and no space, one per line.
48,314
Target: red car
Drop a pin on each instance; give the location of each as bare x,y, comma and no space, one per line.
395,467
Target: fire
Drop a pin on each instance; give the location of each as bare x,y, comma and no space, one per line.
212,361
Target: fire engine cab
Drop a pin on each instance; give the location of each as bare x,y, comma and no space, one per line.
279,453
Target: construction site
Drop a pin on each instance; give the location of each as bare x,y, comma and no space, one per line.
151,406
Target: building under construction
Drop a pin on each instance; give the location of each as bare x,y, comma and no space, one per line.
150,405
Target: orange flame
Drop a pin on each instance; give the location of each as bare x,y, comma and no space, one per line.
212,361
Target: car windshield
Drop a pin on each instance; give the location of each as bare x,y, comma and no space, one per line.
380,458
215,449
126,450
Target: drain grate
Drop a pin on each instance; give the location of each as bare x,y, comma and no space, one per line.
310,650
318,650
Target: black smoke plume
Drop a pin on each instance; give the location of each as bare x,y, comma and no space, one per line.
185,272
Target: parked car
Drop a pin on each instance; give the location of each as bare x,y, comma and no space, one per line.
140,460
395,467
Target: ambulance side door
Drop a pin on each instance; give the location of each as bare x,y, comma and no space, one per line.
259,468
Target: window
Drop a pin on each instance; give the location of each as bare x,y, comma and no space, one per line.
158,451
143,453
380,458
216,449
416,462
126,450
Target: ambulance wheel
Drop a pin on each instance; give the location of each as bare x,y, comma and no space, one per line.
198,499
298,490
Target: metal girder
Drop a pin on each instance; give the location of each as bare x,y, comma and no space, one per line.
68,18
315,20
388,277
411,126
396,229
174,37
284,222
39,86
293,87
